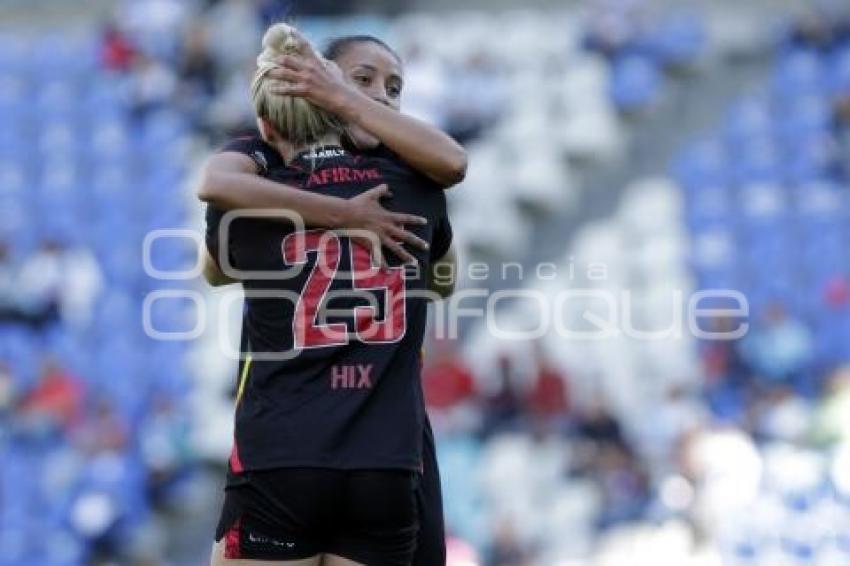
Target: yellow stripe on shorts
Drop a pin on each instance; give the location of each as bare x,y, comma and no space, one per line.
243,378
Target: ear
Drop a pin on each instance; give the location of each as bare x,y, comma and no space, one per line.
267,131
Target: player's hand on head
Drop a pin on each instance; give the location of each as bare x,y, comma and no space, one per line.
382,227
312,77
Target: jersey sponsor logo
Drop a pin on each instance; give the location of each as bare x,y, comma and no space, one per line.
342,175
352,376
326,153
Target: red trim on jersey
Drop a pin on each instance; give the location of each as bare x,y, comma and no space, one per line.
235,463
231,541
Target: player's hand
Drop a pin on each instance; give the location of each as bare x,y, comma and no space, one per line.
382,227
312,77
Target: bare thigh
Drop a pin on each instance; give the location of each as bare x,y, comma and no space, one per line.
218,559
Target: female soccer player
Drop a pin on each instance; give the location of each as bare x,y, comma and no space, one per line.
245,501
376,127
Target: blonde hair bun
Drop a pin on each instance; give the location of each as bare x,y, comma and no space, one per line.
297,120
281,39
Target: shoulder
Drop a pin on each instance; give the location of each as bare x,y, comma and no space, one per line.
395,170
265,156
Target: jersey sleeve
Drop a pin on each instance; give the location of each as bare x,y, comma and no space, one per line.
263,155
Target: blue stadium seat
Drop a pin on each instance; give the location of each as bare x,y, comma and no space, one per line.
635,82
678,39
162,128
799,72
56,100
14,53
748,118
702,164
63,54
839,78
759,162
107,96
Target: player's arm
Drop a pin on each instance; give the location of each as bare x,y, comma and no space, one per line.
442,274
425,148
230,180
213,273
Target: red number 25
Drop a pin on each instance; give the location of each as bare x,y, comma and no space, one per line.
328,247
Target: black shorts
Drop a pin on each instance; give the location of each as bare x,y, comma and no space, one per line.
369,516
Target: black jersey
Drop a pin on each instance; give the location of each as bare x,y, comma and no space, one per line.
334,375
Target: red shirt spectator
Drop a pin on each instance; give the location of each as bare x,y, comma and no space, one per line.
447,383
116,52
58,396
548,397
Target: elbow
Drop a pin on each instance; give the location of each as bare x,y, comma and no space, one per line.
455,169
207,189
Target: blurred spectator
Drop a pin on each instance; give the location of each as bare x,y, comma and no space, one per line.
680,412
40,281
231,111
56,403
781,414
821,25
198,75
11,308
599,426
153,85
623,484
165,446
326,7
503,407
548,399
425,90
102,430
780,348
273,11
59,281
726,469
836,293
155,25
460,553
198,69
7,391
446,380
236,28
831,422
450,392
116,50
477,97
613,25
507,549
727,374
842,131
